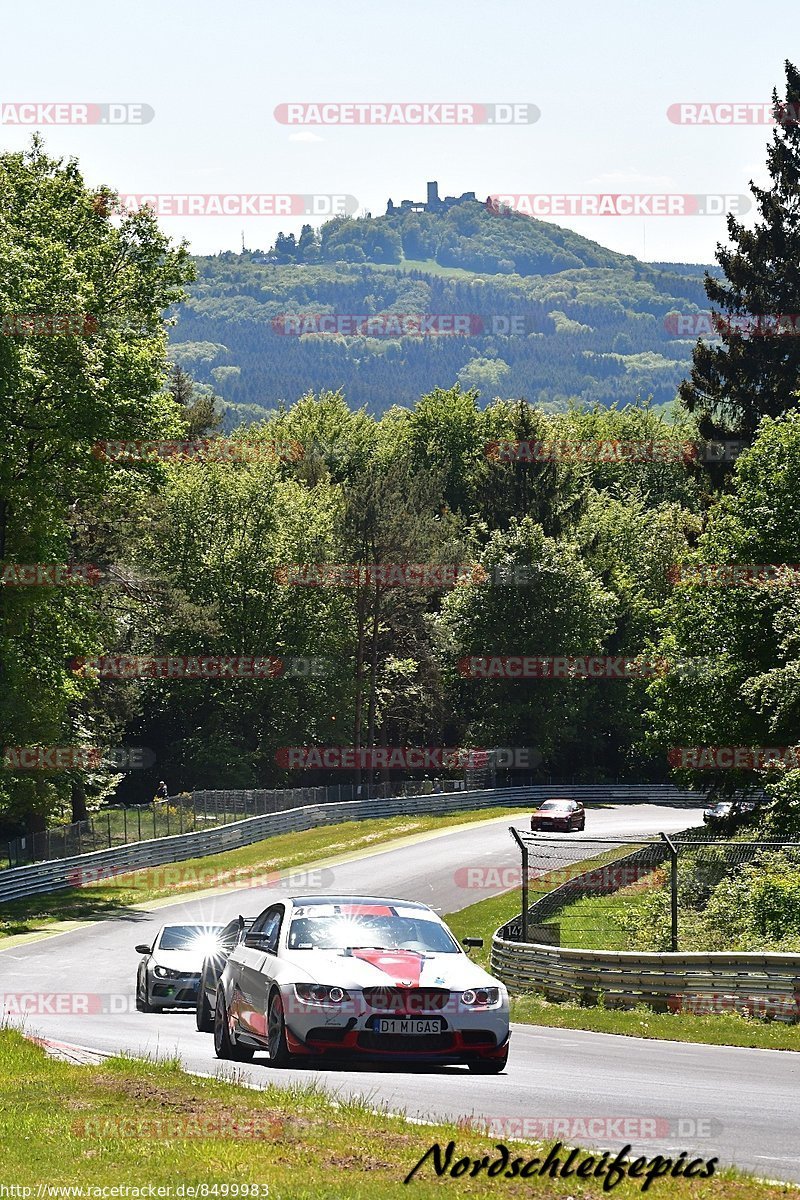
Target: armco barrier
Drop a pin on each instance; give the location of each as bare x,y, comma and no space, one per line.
38,878
718,981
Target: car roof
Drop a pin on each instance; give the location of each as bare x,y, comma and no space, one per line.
306,901
191,925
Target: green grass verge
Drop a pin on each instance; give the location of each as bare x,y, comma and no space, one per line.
715,1029
722,1029
229,870
484,917
591,923
140,1124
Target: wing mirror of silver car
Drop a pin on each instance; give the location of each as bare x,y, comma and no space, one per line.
477,943
142,948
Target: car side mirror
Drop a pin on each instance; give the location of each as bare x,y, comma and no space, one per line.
143,948
477,943
256,941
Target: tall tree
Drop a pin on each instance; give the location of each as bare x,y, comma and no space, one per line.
82,361
754,371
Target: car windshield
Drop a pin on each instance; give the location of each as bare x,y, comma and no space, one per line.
551,805
189,937
325,927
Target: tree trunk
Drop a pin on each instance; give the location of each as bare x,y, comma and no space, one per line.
79,812
359,697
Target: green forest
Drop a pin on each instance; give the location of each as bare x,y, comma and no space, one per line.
554,317
580,548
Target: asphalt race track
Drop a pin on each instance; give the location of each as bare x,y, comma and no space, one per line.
709,1100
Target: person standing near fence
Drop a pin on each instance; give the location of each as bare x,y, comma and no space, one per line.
161,791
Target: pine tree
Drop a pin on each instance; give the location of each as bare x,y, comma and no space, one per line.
754,369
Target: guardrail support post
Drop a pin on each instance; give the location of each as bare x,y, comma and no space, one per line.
673,892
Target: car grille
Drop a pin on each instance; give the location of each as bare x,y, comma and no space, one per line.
399,1041
406,1000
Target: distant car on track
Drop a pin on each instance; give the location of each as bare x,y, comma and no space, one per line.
728,810
230,935
559,814
356,977
169,973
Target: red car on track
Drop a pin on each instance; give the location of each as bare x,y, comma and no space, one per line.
559,814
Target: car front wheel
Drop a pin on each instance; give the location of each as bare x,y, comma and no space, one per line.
489,1066
224,1046
204,1018
142,1002
279,1055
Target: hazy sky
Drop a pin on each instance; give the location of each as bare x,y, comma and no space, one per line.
603,76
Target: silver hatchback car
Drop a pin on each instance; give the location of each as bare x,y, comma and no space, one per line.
169,973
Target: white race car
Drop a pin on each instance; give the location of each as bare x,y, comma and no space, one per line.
358,977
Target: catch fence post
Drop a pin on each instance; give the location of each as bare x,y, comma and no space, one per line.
673,891
524,851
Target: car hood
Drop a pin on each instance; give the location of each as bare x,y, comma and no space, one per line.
388,968
190,961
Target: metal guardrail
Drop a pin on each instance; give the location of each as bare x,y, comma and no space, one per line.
714,981
767,983
55,875
190,811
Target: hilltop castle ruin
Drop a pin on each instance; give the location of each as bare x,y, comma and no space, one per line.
434,202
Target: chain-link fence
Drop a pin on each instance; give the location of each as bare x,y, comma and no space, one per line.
693,891
192,811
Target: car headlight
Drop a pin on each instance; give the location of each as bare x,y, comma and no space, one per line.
488,997
166,973
318,993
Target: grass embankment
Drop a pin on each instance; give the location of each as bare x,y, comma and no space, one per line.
484,917
140,1124
723,1029
232,869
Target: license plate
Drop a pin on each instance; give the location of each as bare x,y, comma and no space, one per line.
411,1026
